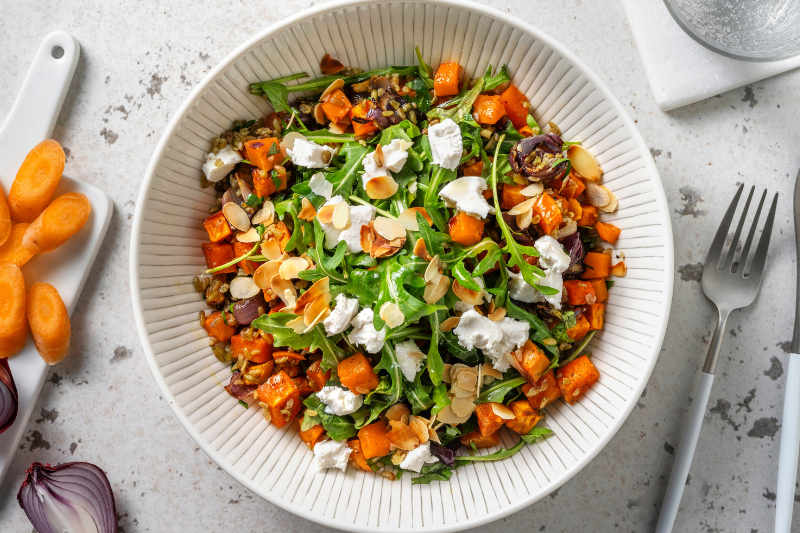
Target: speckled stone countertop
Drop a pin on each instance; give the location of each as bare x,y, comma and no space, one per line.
140,60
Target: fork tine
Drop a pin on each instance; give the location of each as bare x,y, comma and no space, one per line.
760,257
751,235
731,253
715,251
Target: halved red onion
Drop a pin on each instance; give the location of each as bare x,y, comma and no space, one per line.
9,401
245,311
240,392
232,195
75,497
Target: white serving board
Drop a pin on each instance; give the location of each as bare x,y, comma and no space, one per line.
680,70
31,120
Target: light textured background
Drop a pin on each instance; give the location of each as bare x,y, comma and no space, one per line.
139,61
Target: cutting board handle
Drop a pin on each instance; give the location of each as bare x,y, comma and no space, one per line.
35,111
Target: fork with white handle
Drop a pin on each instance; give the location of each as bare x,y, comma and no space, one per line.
730,284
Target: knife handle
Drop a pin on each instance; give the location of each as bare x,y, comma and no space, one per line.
790,446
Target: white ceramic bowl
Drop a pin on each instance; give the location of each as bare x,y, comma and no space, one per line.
166,254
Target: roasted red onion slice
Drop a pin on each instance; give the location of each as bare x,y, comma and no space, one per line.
574,247
533,156
74,497
240,392
9,402
245,311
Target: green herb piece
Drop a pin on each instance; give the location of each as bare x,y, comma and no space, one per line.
278,96
243,125
539,330
236,260
461,111
577,351
436,472
500,77
499,388
320,84
533,125
256,89
451,346
337,427
425,71
389,363
504,453
344,178
254,200
395,276
273,149
243,404
434,359
463,277
316,338
559,331
609,283
535,434
309,422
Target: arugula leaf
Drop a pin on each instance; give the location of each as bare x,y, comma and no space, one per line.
337,427
533,124
451,346
539,330
423,96
425,71
499,78
464,107
320,84
433,240
609,283
434,359
309,422
278,96
579,349
326,266
365,285
344,178
559,331
256,89
439,177
327,136
389,363
440,398
419,396
253,200
499,388
463,277
404,130
316,338
436,472
394,278
535,433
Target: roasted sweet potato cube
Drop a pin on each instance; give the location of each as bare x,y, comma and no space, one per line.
465,229
280,394
510,196
218,254
573,188
373,440
240,249
575,377
543,392
549,213
589,215
446,79
600,290
578,291
580,329
336,106
288,362
598,265
256,350
594,315
258,153
476,169
533,361
304,387
216,326
356,374
217,227
266,183
525,417
488,421
357,458
280,233
316,376
608,232
312,436
358,114
481,441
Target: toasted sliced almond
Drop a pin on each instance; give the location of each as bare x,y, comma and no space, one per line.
432,271
597,195
339,128
334,86
341,215
381,187
249,236
319,115
534,189
243,287
389,229
521,207
263,274
265,215
419,427
467,295
319,288
467,381
397,411
236,216
462,406
307,212
502,411
420,250
568,229
292,267
524,219
446,373
297,324
316,307
285,290
290,138
408,218
583,162
450,323
433,436
447,416
401,436
367,237
433,293
271,250
620,269
325,214
498,314
488,370
377,155
391,314
325,313
612,204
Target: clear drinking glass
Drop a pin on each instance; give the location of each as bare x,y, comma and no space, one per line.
751,30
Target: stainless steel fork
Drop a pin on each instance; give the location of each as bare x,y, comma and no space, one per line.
730,284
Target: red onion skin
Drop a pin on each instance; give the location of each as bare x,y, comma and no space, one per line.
240,392
245,311
9,400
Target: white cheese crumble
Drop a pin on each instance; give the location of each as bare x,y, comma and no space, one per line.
309,154
418,457
446,144
521,290
360,215
552,254
364,332
320,186
228,158
495,339
463,307
409,358
515,333
339,401
346,308
466,195
395,155
331,454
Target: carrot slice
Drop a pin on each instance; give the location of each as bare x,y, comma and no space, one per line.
12,251
36,181
60,221
49,322
13,323
5,218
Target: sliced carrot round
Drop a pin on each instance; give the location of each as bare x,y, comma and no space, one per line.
60,221
49,322
36,181
13,323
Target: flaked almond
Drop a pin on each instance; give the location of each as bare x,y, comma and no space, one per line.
419,427
236,216
319,115
521,207
338,128
433,436
271,250
502,411
312,310
432,273
291,268
243,287
584,163
249,236
381,187
446,373
367,236
290,138
612,204
462,406
265,215
467,381
329,66
420,250
383,248
401,436
450,323
534,189
307,212
284,289
377,155
596,195
298,325
341,215
325,313
264,274
433,293
488,370
397,411
408,218
391,314
308,258
447,416
620,269
568,229
524,219
318,289
498,314
467,295
325,213
333,87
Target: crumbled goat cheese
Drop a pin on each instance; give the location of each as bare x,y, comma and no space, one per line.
339,401
463,307
228,158
466,195
331,454
495,339
515,333
419,457
521,290
360,215
346,308
394,157
446,144
551,254
364,332
320,186
309,154
409,358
